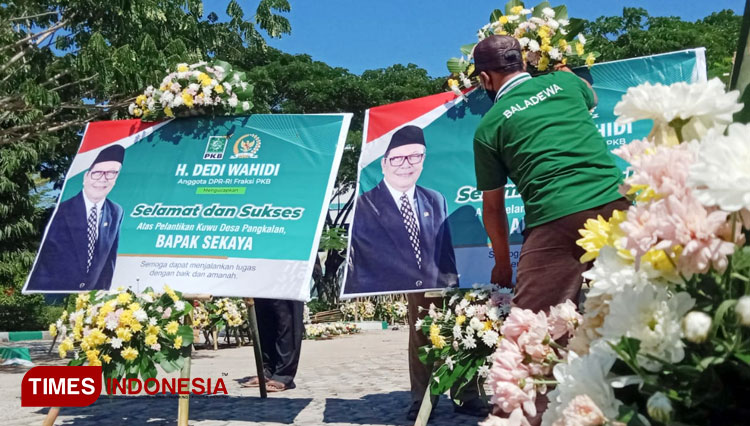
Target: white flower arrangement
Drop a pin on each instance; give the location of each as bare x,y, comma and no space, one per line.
225,311
464,333
546,35
328,330
197,89
669,284
681,111
365,310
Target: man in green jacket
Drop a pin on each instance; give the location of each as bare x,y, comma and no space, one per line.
540,134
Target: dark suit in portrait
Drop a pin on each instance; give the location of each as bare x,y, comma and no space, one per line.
401,242
79,250
382,258
64,256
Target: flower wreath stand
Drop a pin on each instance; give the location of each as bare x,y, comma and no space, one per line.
184,404
463,334
426,408
129,334
183,407
253,319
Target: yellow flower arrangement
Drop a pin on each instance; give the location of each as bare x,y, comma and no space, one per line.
590,59
546,35
124,334
135,326
187,99
460,319
436,339
129,353
193,89
112,329
124,298
172,327
65,346
599,232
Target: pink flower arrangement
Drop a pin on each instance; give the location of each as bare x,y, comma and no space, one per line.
682,225
668,216
663,170
564,320
525,357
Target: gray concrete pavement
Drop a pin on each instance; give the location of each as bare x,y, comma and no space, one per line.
350,380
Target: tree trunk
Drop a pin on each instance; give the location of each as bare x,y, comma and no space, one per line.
330,279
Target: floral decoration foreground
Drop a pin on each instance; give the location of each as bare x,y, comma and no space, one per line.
665,333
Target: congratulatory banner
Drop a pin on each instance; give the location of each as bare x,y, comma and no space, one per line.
446,175
226,206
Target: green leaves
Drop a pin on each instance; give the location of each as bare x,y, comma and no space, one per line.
629,415
721,312
97,45
561,12
167,364
466,49
333,239
636,33
457,65
496,14
575,27
427,356
741,267
234,10
275,25
186,332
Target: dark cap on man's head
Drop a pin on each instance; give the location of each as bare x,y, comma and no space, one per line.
110,153
405,136
497,53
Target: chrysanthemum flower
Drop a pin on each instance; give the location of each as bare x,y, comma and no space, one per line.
651,314
129,353
721,177
598,233
688,109
151,339
124,298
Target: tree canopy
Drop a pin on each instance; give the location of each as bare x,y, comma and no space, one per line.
636,33
64,63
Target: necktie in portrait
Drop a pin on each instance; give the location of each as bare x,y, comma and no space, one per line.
410,223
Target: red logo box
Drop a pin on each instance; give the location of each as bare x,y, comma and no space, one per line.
61,386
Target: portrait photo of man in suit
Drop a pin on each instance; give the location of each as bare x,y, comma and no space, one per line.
401,241
80,247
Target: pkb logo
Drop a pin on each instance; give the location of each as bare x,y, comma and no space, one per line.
215,147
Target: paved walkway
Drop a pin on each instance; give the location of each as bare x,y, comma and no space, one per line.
350,380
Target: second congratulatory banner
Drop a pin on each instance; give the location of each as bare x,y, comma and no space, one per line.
227,206
447,203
